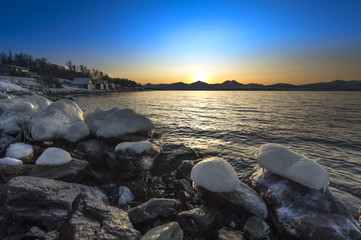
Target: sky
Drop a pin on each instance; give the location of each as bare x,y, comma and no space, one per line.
154,41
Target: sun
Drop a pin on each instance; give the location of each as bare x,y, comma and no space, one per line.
201,77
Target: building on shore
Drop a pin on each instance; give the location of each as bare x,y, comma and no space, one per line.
12,70
86,83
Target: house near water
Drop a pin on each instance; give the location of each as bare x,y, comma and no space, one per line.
86,83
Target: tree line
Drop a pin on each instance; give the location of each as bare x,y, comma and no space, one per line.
70,71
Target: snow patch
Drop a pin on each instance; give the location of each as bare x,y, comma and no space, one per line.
19,150
10,161
62,119
215,174
284,162
137,147
7,86
53,156
117,122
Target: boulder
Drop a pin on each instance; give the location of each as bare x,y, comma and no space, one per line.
21,151
299,212
152,209
171,157
125,195
196,222
184,169
53,156
169,231
91,218
242,199
257,228
43,201
94,150
135,156
74,171
230,234
8,172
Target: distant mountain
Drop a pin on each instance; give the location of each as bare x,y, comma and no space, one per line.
234,85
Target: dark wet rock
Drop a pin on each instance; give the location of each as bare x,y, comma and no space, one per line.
152,209
9,172
94,150
230,234
169,231
184,169
35,232
91,218
171,158
183,184
196,222
43,201
241,199
298,212
257,228
137,186
359,214
74,171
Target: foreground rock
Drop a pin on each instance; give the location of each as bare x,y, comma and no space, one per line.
242,199
74,171
171,158
43,201
257,228
298,212
91,218
94,150
196,222
8,172
169,231
154,208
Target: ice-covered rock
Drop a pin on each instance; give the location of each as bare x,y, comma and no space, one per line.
10,161
62,119
20,151
7,86
136,147
299,212
53,156
284,162
215,174
17,112
117,122
125,195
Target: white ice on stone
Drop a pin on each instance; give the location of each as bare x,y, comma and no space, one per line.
117,122
125,195
7,86
16,112
53,156
10,161
62,119
19,150
215,174
137,147
282,161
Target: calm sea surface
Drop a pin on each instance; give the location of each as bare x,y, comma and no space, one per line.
324,126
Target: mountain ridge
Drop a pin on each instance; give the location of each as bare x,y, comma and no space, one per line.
340,85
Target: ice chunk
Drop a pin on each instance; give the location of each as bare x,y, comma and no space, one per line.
19,150
10,161
62,119
137,147
125,195
117,122
53,156
16,112
282,161
215,174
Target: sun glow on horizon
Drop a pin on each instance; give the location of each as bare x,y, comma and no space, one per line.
201,77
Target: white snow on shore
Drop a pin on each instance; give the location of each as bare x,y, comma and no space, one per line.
117,122
53,156
10,161
7,86
19,150
215,174
62,119
282,161
137,147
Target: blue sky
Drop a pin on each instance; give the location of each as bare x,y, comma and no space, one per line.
170,41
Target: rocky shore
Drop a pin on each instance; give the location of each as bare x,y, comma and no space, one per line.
109,176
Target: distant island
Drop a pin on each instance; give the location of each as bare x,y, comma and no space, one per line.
337,85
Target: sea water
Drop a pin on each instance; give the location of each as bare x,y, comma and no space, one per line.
323,126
